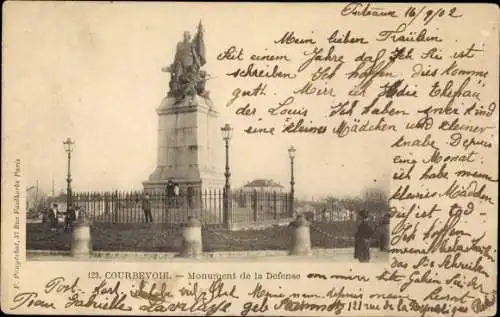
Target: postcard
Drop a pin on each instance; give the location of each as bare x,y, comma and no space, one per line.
249,159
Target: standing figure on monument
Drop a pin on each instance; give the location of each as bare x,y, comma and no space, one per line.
186,57
187,77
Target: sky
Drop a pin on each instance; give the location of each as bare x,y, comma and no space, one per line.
93,73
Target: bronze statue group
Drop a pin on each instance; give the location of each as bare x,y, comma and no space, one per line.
187,77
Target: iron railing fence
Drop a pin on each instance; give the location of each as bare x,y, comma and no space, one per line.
207,205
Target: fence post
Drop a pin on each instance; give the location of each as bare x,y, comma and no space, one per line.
275,210
160,198
286,201
227,207
106,204
191,239
301,236
203,205
81,243
230,208
254,204
189,194
116,207
91,205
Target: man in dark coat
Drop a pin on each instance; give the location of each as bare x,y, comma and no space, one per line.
384,233
190,195
170,194
146,207
361,240
69,218
53,214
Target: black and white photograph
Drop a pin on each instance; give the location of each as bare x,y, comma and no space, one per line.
272,193
218,159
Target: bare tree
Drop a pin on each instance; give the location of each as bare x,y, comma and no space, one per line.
36,202
373,199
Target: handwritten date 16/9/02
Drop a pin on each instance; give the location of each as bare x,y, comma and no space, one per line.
368,10
431,14
412,14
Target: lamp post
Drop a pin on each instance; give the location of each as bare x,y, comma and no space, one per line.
67,147
291,154
227,132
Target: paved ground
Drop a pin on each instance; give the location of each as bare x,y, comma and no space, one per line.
164,238
336,255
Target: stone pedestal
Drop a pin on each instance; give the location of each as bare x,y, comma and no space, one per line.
191,239
189,145
301,237
81,243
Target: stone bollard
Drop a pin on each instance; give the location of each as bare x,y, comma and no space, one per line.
191,239
81,244
301,237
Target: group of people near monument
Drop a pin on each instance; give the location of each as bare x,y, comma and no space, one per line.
70,216
173,192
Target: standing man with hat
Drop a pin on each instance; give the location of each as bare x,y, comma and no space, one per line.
362,238
146,207
176,195
53,214
69,218
170,193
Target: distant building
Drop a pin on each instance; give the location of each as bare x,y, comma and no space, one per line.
264,195
263,185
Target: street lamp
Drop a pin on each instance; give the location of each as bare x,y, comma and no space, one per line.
67,147
291,154
227,132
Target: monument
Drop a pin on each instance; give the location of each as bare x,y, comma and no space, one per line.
188,130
